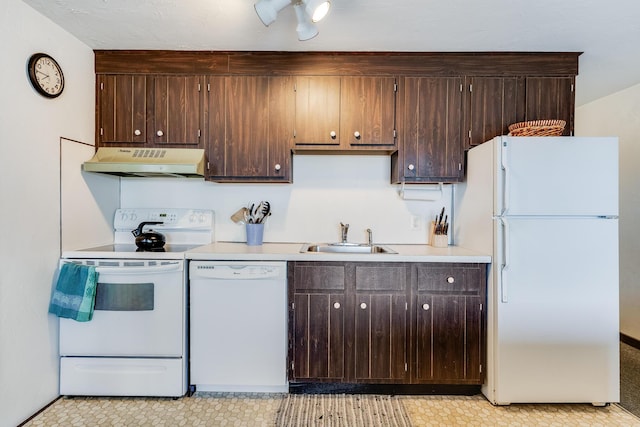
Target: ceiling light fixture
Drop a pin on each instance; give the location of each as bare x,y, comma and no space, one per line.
307,13
306,29
317,9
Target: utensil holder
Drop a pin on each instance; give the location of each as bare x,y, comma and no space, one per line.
254,234
440,241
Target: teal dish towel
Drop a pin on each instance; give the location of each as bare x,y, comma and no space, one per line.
75,292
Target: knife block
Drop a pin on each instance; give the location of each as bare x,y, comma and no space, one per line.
437,240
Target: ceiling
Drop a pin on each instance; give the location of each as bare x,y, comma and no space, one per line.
606,31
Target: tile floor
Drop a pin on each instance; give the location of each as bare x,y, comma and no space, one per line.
228,409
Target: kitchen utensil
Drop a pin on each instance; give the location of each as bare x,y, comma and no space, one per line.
240,216
148,239
265,211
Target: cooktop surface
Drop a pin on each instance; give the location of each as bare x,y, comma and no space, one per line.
168,251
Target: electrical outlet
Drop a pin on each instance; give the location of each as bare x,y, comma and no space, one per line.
416,222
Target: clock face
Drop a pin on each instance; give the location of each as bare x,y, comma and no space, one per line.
46,75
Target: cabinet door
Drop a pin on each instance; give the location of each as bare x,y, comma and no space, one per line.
214,112
122,105
551,98
177,110
380,340
258,128
318,337
281,125
317,321
493,104
368,111
247,126
317,117
432,134
380,323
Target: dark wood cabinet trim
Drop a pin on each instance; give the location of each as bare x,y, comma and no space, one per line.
337,63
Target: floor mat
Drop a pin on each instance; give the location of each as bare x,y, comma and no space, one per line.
342,410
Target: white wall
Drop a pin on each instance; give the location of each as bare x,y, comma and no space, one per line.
30,131
619,115
327,190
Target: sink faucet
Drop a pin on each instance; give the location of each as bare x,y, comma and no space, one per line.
370,236
344,229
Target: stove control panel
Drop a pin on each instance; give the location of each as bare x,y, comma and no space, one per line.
188,219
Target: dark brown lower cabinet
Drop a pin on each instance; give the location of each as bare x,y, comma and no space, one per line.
380,322
387,323
317,321
318,336
449,338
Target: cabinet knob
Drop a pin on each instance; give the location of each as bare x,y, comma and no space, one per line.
333,134
450,279
137,132
411,167
277,167
336,305
425,307
159,133
356,134
363,305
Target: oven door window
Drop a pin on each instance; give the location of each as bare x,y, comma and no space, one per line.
124,296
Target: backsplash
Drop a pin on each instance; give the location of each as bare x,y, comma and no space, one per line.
327,190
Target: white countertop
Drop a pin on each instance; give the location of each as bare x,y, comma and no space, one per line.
233,251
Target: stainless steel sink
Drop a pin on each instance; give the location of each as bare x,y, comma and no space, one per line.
346,248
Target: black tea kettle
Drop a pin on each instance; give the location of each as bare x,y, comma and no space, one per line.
149,239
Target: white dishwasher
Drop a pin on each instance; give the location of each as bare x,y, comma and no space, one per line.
238,326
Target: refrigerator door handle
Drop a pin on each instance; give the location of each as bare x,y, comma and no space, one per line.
505,177
505,260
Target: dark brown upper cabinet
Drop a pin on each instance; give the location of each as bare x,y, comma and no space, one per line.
250,128
368,112
492,104
424,108
551,98
177,105
121,109
317,115
345,113
431,146
152,111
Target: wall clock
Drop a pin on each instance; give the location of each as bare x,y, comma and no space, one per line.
45,75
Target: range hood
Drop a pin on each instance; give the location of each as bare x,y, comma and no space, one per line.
147,162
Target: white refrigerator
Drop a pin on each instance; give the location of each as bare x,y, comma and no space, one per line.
546,209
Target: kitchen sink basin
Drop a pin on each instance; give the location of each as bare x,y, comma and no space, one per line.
346,248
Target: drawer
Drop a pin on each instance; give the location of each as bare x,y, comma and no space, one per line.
449,279
317,276
380,278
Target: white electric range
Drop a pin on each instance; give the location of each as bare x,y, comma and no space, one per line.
136,343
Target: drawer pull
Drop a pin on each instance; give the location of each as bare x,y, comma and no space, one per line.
336,305
425,307
450,279
363,306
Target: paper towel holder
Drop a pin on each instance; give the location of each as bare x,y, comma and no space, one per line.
426,192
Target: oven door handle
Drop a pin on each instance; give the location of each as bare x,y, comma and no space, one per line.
140,270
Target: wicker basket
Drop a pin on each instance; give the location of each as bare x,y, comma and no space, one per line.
537,128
